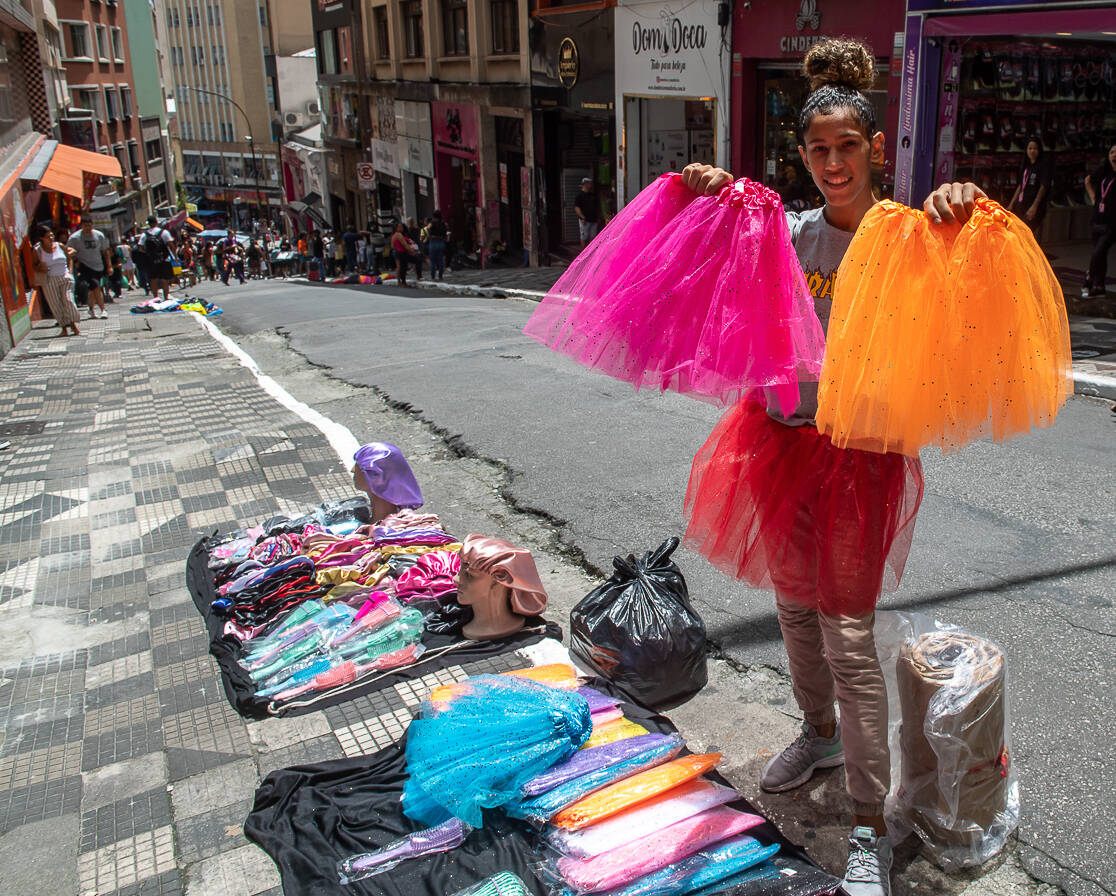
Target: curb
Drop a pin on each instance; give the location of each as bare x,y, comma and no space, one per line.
1094,386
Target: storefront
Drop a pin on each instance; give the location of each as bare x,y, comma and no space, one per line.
573,97
414,151
769,41
979,84
672,79
456,131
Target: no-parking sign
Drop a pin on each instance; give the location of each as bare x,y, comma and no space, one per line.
365,175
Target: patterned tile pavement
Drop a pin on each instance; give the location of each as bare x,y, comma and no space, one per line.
137,438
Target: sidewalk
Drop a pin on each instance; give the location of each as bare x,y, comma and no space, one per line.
123,770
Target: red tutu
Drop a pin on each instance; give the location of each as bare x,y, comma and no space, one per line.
781,507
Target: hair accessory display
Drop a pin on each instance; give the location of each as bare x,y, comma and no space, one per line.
648,817
440,838
508,565
540,809
477,750
634,790
388,475
701,295
941,335
655,851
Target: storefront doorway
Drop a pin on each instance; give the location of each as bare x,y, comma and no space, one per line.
666,134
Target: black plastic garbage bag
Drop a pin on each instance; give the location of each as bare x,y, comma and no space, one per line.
639,630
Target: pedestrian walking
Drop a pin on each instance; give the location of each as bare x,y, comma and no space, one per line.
1035,177
406,254
437,237
588,209
158,247
52,265
854,510
128,267
93,263
1099,185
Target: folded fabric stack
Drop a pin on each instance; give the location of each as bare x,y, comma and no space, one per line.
156,305
323,600
616,809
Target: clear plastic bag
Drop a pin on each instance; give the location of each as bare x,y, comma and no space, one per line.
953,782
441,838
502,884
584,762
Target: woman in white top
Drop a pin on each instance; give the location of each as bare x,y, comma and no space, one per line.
52,260
127,266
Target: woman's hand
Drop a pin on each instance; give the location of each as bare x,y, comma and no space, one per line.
952,203
1031,212
705,179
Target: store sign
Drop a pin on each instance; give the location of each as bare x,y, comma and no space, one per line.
366,175
415,155
383,158
807,17
456,129
668,49
569,62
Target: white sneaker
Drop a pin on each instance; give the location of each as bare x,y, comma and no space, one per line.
869,870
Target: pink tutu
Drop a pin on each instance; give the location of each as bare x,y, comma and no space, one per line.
701,295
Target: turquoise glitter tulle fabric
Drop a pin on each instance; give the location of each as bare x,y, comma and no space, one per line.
476,751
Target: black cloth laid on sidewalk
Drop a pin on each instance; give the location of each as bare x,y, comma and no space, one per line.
311,817
442,650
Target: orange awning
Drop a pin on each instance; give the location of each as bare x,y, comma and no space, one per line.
68,166
197,225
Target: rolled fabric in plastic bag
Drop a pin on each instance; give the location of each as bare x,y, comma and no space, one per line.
957,789
701,870
504,883
585,761
634,790
440,838
540,809
653,815
648,854
612,731
596,700
476,751
556,675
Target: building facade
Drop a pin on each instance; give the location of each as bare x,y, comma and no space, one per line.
221,58
146,47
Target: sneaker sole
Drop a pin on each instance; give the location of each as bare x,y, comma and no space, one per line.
827,762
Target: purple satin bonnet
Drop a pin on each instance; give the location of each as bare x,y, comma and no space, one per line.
388,474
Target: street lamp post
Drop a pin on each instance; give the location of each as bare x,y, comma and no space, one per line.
251,140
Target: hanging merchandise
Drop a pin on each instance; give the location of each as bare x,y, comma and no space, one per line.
940,335
640,631
634,790
656,851
701,295
437,839
540,809
477,750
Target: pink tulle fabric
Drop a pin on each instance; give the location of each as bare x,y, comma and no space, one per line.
672,844
701,295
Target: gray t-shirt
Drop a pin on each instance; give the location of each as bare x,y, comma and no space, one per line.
820,247
89,248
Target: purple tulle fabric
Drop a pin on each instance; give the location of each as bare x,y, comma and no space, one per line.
701,295
596,700
585,761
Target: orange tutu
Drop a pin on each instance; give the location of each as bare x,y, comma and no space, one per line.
942,335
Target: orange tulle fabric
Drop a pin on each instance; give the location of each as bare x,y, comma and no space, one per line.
940,335
628,792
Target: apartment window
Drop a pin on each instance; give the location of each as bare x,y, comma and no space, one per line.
153,151
78,33
327,52
121,157
189,17
112,104
117,45
412,29
263,15
380,24
102,42
126,107
173,17
505,26
133,157
87,98
455,27
214,15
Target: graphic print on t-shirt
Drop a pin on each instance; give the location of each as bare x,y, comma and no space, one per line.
820,284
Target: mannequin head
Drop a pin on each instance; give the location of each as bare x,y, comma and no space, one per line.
382,473
501,584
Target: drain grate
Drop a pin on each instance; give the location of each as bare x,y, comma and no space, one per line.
26,428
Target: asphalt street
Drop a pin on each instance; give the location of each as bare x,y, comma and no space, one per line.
1014,541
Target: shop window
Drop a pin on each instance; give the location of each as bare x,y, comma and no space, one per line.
505,27
455,27
380,24
412,29
102,42
78,40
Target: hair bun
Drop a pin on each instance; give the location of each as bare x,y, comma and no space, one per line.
840,61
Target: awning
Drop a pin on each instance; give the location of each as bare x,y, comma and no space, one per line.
197,225
68,166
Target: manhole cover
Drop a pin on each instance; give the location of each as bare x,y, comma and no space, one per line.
28,428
